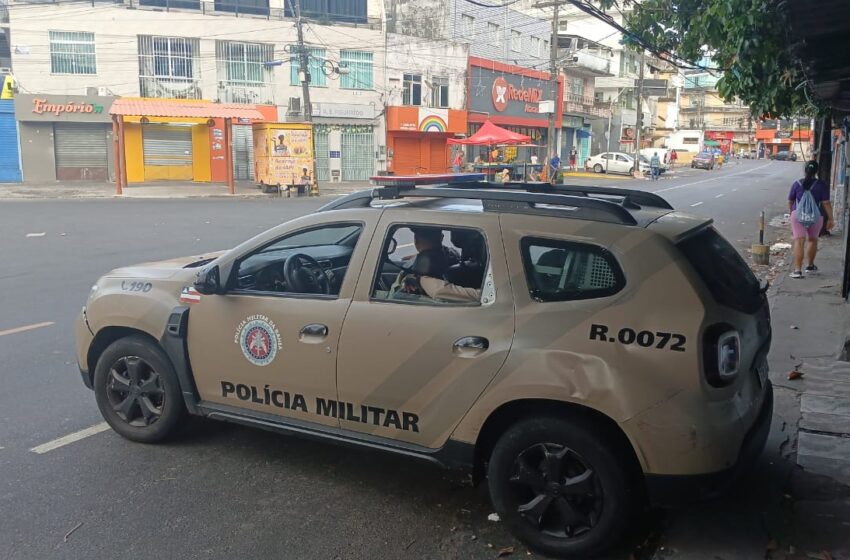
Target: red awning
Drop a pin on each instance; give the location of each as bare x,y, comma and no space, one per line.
190,109
490,134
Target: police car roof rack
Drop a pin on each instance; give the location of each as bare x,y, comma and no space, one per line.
517,201
630,197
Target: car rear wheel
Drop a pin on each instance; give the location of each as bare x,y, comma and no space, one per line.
137,391
598,168
559,487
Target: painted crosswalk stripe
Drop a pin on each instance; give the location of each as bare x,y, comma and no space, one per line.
26,328
70,438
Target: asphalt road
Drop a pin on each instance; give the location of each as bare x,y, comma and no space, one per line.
223,491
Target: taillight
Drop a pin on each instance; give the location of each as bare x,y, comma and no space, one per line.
721,355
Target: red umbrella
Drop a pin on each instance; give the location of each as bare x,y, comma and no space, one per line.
490,134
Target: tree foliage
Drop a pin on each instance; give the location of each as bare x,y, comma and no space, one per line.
747,39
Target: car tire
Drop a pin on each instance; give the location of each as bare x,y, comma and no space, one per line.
137,390
591,486
598,168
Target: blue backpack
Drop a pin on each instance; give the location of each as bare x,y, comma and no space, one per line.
808,212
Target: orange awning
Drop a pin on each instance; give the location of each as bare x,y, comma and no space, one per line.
189,109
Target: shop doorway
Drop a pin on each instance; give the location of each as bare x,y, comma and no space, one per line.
320,137
167,152
81,151
358,155
10,164
243,152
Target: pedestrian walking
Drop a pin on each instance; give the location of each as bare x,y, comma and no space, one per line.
805,201
655,166
554,168
573,157
673,158
457,161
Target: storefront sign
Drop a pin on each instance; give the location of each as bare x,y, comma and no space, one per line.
507,95
343,111
63,108
426,119
571,121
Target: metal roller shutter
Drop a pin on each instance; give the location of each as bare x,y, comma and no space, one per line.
167,145
10,164
439,157
81,151
407,158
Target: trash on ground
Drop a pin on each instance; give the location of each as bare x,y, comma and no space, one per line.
507,551
493,517
795,328
71,532
39,234
795,374
776,247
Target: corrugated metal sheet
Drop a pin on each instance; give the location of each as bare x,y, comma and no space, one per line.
80,145
10,163
167,144
243,152
189,109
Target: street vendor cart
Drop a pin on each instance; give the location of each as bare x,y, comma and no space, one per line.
283,157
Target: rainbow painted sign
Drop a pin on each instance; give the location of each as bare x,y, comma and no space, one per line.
433,120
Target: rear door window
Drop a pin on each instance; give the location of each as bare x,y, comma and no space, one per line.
558,270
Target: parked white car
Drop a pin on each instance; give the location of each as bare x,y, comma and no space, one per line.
614,162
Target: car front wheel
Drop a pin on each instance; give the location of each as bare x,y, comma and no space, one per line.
598,168
137,391
559,487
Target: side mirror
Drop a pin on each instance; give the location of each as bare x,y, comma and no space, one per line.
207,281
392,246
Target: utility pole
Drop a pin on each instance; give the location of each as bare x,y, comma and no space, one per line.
639,125
304,64
551,145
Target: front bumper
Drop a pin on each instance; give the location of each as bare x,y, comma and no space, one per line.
668,490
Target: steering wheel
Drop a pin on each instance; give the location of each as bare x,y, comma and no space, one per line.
305,276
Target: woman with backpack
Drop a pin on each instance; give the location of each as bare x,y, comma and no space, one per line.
805,200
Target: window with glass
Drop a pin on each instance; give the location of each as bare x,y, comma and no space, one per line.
493,33
535,46
545,47
558,270
577,86
467,26
242,72
439,91
169,67
516,41
433,265
411,90
359,69
317,58
72,52
313,261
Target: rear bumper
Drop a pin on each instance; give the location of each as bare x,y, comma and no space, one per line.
668,490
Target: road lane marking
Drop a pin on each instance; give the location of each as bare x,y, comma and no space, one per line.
695,205
70,438
26,328
719,196
676,187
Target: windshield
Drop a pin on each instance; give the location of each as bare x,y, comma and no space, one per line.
316,237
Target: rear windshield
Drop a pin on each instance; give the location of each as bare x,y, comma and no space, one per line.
724,272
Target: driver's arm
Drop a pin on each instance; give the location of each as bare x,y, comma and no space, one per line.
440,289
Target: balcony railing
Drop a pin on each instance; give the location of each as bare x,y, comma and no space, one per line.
246,92
583,105
169,87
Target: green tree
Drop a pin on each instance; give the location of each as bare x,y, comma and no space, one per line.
747,39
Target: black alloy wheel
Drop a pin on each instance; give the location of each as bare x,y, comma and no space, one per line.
556,491
135,391
562,485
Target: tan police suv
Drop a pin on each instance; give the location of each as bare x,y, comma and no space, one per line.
584,350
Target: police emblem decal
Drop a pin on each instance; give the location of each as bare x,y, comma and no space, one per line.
259,339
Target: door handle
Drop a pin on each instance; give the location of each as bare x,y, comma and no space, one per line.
313,333
470,346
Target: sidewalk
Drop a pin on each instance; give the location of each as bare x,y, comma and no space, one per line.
810,326
178,189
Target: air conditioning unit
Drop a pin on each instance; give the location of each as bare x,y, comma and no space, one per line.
103,91
294,107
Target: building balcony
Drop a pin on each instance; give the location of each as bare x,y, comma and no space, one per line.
170,87
584,106
585,64
250,93
714,109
